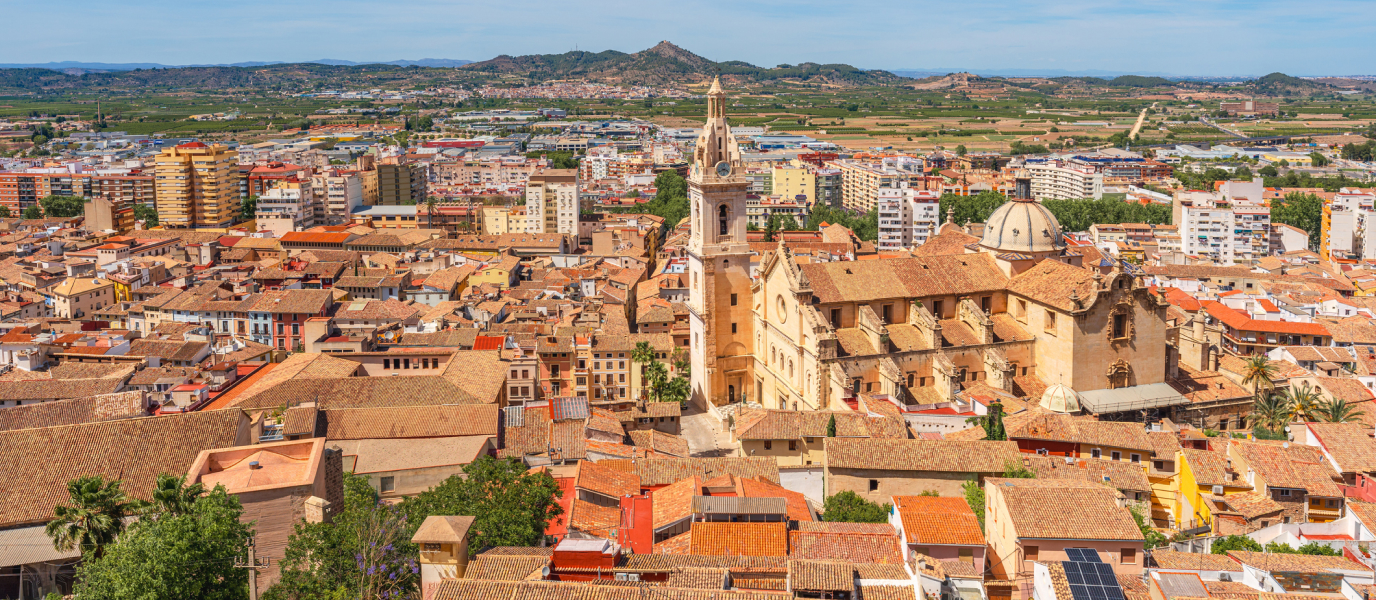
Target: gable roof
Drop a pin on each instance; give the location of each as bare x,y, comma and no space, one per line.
1065,509
921,455
135,451
862,281
90,409
1350,445
389,422
931,520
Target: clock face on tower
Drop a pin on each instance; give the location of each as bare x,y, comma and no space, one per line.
723,169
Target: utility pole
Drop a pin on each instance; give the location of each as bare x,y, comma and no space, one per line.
253,566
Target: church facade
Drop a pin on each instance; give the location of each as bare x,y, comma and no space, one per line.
1013,310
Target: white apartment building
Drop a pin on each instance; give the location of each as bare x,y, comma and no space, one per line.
286,208
1050,182
1349,217
339,194
758,210
861,181
907,217
1230,226
552,204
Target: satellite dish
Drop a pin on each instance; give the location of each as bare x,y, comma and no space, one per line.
1285,444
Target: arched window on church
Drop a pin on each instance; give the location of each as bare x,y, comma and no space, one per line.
722,218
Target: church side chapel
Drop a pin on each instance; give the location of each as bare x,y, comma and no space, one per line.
1015,311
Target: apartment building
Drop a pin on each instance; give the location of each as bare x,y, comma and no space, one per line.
1051,182
759,210
197,186
20,190
1229,226
1250,107
794,181
861,181
1345,221
907,217
287,208
338,194
397,184
552,202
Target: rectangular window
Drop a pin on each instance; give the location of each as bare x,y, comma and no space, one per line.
733,328
793,445
874,485
1096,453
769,444
1136,458
387,484
1049,322
1128,556
886,313
1117,455
386,363
836,318
733,299
406,362
936,308
1030,552
1120,326
986,303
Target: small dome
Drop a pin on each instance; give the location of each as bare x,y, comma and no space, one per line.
1022,226
1060,398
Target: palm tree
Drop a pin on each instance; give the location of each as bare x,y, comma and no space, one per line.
1304,400
430,212
1337,410
643,355
1259,373
172,497
95,517
1272,411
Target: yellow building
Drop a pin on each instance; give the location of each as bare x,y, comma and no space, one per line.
502,273
794,180
1163,474
1203,474
197,186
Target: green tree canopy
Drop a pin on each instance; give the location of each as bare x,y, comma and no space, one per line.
33,212
147,214
175,556
1235,542
1304,211
513,507
63,206
94,517
849,507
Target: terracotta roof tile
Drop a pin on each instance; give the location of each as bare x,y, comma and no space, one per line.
606,480
411,421
849,547
740,539
1065,509
921,455
934,520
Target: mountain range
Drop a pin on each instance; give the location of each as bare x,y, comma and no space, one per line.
666,63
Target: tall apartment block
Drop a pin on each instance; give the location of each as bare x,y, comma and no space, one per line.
907,216
861,181
1347,219
552,201
197,186
397,185
1230,226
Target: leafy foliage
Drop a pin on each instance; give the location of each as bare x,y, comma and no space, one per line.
63,206
94,518
558,160
1078,215
248,207
974,496
849,507
1304,211
1337,410
513,507
1154,538
33,212
1317,549
147,214
333,560
174,555
1234,542
865,226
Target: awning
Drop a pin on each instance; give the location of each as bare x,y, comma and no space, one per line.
1137,397
28,545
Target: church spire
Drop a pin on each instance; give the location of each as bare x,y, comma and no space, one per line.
715,144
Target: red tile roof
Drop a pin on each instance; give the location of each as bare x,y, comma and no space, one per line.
1242,322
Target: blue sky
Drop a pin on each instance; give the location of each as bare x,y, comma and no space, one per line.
1186,37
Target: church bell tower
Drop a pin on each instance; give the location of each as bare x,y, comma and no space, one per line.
719,299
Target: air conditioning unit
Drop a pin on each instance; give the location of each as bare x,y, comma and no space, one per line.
1218,490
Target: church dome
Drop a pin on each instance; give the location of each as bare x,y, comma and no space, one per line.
1022,225
1060,398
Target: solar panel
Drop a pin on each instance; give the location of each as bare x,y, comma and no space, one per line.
1106,573
1074,577
1097,593
1080,592
1091,578
1082,555
1114,593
